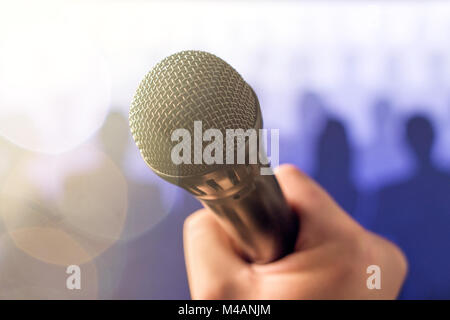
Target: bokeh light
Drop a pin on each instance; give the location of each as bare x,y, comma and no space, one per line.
69,207
24,277
54,82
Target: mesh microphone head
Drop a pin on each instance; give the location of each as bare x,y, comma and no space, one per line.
185,87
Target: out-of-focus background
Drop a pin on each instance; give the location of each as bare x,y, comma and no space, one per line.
359,91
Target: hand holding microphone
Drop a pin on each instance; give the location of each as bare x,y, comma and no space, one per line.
329,261
247,243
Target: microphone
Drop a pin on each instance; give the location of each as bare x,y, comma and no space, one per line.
194,91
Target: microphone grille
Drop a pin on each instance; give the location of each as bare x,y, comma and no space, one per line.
185,87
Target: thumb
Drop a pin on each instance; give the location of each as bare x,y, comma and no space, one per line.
318,213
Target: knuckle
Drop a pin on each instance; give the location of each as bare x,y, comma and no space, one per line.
353,256
289,169
313,193
194,220
213,291
242,284
403,262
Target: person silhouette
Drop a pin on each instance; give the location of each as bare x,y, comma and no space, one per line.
415,214
334,160
442,150
385,144
301,150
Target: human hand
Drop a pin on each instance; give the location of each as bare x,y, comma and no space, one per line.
330,260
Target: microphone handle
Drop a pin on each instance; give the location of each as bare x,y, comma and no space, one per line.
256,216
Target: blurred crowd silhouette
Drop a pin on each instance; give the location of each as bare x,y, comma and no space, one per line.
412,209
